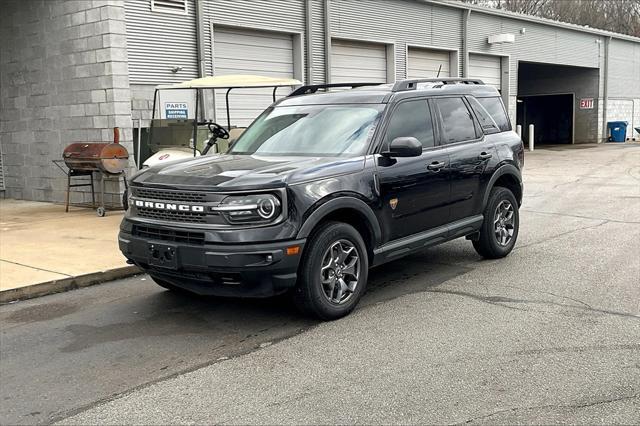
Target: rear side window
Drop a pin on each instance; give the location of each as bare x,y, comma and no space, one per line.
457,121
486,122
496,109
411,119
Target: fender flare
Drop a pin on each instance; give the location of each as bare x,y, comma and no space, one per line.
342,203
505,169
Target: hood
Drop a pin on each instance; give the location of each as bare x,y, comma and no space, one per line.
231,172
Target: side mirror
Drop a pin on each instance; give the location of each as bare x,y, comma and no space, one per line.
404,147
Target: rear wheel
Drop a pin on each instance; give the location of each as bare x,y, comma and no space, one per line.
333,273
501,224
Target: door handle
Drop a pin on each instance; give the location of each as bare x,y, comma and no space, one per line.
485,155
436,166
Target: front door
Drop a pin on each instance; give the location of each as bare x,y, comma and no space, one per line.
414,191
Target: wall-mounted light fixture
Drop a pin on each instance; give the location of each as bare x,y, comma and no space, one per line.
501,38
176,69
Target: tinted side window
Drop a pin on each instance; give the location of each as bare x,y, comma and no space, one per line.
496,109
411,118
457,121
486,121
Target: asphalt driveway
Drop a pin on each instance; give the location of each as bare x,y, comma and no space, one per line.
549,334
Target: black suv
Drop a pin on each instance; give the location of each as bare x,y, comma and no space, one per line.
325,185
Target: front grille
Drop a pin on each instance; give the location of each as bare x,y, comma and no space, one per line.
164,195
172,215
150,232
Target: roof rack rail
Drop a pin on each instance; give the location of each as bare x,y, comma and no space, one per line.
412,84
313,88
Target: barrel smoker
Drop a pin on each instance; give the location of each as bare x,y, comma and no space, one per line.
83,159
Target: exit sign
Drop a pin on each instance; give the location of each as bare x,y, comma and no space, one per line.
586,103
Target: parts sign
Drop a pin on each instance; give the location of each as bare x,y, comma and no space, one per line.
179,110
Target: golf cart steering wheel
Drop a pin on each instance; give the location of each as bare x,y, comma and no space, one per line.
218,131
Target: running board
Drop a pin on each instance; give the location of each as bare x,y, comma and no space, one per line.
403,246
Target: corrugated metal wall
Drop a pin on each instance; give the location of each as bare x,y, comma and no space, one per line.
317,41
397,21
159,41
539,43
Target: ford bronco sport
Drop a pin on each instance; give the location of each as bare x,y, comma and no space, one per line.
323,186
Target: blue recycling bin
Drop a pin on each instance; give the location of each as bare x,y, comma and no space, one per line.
617,131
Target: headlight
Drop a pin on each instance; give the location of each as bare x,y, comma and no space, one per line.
254,208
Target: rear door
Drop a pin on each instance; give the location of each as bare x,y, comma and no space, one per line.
415,190
471,154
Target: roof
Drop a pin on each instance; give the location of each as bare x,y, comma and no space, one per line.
530,18
233,81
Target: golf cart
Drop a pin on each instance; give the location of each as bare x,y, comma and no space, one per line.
179,128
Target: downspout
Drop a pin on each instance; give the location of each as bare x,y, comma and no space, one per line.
605,89
308,43
202,71
202,66
327,41
465,43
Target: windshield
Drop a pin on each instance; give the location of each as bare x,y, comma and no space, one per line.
310,130
173,133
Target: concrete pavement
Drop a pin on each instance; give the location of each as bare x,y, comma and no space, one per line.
42,244
549,334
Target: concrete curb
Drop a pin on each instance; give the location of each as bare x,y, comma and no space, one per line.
66,284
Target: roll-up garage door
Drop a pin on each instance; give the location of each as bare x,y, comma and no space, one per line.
354,61
243,51
487,68
425,63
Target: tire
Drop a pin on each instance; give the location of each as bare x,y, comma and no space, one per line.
499,231
337,255
125,200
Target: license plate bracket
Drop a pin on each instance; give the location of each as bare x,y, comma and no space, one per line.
163,255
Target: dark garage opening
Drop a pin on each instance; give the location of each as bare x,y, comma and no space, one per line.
552,116
549,98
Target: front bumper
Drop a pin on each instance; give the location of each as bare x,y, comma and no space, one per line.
236,270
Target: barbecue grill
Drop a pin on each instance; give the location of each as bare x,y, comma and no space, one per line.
108,159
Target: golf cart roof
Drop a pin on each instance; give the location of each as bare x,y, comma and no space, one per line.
233,82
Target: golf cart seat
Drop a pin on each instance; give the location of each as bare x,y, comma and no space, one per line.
235,133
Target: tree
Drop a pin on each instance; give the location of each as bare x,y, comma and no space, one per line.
621,16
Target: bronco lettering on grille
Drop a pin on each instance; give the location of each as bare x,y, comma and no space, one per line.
169,206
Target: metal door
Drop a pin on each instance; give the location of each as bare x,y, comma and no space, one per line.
353,61
488,68
245,51
425,63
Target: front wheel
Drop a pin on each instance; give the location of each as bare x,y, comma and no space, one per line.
333,273
499,230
